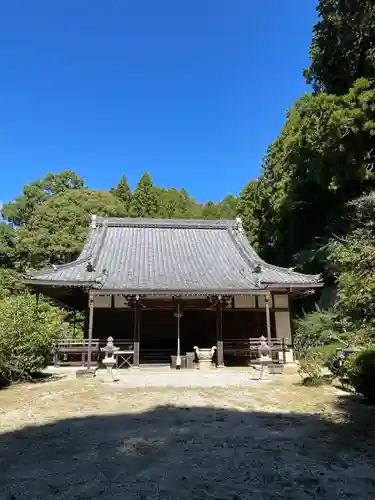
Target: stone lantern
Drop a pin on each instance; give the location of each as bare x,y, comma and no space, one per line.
109,360
264,351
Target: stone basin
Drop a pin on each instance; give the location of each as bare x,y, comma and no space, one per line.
205,358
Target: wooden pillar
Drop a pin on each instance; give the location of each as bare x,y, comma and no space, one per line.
91,321
74,323
268,317
137,333
178,315
219,333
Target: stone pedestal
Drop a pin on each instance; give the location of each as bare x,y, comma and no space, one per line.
109,363
86,373
205,359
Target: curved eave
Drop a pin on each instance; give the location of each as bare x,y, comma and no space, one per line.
224,291
268,287
294,285
50,283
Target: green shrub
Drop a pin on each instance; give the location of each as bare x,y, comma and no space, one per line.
360,368
310,369
27,335
314,330
328,351
10,280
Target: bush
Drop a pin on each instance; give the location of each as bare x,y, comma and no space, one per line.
27,335
10,280
314,330
360,368
310,369
328,351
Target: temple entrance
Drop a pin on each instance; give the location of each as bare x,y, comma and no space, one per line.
158,336
158,333
154,340
198,328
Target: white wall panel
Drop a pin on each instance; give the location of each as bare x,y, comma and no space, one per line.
281,301
102,300
244,301
283,328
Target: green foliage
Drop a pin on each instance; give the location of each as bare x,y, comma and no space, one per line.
176,204
360,368
145,198
321,160
327,351
21,210
226,209
27,335
310,369
57,229
315,330
75,321
249,205
123,192
10,282
354,258
7,245
343,45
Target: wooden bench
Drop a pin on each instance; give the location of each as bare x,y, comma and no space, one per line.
65,352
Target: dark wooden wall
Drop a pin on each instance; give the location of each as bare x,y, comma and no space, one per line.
244,324
117,323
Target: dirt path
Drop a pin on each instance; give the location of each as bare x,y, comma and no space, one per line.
84,439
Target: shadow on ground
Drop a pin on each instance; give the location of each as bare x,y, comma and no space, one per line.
193,453
38,378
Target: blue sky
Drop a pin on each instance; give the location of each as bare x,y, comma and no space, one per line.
192,91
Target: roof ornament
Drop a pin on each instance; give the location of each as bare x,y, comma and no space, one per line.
102,277
90,267
93,221
54,267
239,224
257,268
291,269
258,282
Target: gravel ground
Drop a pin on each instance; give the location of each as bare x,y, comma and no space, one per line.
185,378
71,439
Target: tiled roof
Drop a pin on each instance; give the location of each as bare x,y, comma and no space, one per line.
171,256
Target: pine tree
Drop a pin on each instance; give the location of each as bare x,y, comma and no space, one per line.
144,200
123,192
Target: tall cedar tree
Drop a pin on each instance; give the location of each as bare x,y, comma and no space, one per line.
123,192
343,45
145,200
322,159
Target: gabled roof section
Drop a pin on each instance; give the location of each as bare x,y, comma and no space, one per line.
138,256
